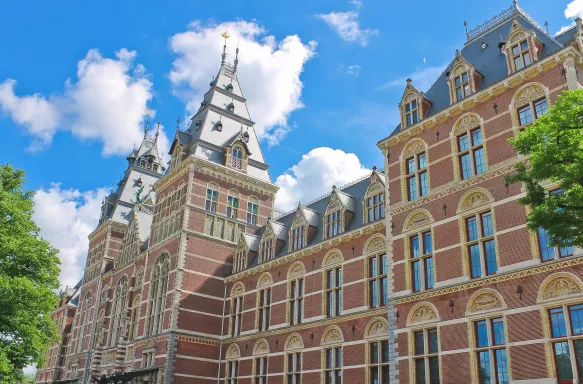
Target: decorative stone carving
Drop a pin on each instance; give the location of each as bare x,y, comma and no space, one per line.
264,280
374,188
418,219
376,244
413,148
517,37
561,287
294,341
296,270
422,314
233,352
208,224
378,327
261,347
474,200
466,123
140,277
333,258
238,289
531,93
484,302
332,335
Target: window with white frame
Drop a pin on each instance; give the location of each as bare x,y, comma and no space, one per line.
426,356
490,350
417,176
266,249
378,362
471,157
526,115
236,315
566,337
260,372
293,370
375,207
296,301
462,86
264,309
119,311
232,205
252,205
158,289
480,243
212,196
521,55
333,365
83,322
298,237
411,113
237,156
240,261
377,281
334,220
421,259
333,292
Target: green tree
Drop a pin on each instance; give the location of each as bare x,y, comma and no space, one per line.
29,270
553,145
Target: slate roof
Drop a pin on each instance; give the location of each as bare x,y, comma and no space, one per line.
352,193
490,62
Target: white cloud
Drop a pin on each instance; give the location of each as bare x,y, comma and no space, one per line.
353,70
315,174
106,103
422,78
269,71
66,217
356,3
574,9
346,25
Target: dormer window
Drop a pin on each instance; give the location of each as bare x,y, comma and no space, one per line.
229,88
231,108
197,125
219,126
298,237
462,86
237,156
266,251
334,223
521,55
155,168
411,113
143,163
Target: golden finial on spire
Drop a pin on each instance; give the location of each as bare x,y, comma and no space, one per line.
225,35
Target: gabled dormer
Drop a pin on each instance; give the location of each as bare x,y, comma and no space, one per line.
179,147
272,240
464,80
414,105
373,202
246,249
303,229
339,213
521,47
237,151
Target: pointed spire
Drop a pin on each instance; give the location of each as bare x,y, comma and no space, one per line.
236,57
225,35
146,127
178,124
157,133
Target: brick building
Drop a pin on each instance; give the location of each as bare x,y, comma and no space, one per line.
193,277
475,296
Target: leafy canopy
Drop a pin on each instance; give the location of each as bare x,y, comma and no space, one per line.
554,146
29,270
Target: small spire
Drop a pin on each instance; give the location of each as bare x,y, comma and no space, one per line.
146,127
466,25
157,132
225,36
236,57
547,26
178,123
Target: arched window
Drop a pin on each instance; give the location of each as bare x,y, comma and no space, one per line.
134,318
237,156
83,320
333,219
119,310
469,145
212,196
530,103
158,289
374,202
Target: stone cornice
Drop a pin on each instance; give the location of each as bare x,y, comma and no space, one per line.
230,94
493,90
328,243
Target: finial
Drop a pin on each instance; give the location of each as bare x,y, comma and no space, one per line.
225,36
374,167
178,123
547,26
409,81
466,25
146,128
236,57
515,3
157,132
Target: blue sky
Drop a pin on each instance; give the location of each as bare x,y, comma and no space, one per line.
334,86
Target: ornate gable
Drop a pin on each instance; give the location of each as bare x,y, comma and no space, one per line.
522,47
464,80
413,106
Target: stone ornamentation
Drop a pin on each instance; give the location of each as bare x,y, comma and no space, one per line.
475,200
528,94
423,314
485,302
561,287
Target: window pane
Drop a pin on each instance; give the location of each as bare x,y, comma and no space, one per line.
422,159
518,63
419,343
411,165
463,143
525,115
412,183
374,353
502,366
465,166
475,261
524,45
472,228
576,313
563,361
579,355
384,291
373,293
465,77
427,244
515,50
415,246
383,264
414,104
373,266
566,251
374,375
433,344
434,370
415,117
480,161
484,366
487,227
385,350
409,121
526,59
559,328
424,184
420,371
417,275
490,251
429,279
540,107
547,252
459,94
498,331
329,358
476,137
482,333
458,81
338,357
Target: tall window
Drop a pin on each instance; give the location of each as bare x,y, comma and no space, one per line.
521,55
462,86
237,156
264,310
240,258
491,351
296,301
567,341
232,372
266,250
525,113
252,212
411,113
375,207
294,368
260,373
119,311
422,261
212,196
471,153
334,223
333,367
134,318
158,289
547,251
377,281
334,292
83,322
379,362
236,315
417,178
232,206
426,357
298,237
481,246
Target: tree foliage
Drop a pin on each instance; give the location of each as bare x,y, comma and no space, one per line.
553,145
29,270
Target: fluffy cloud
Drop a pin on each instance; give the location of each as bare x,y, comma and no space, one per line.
346,25
422,78
315,174
574,9
66,217
107,103
352,70
269,71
